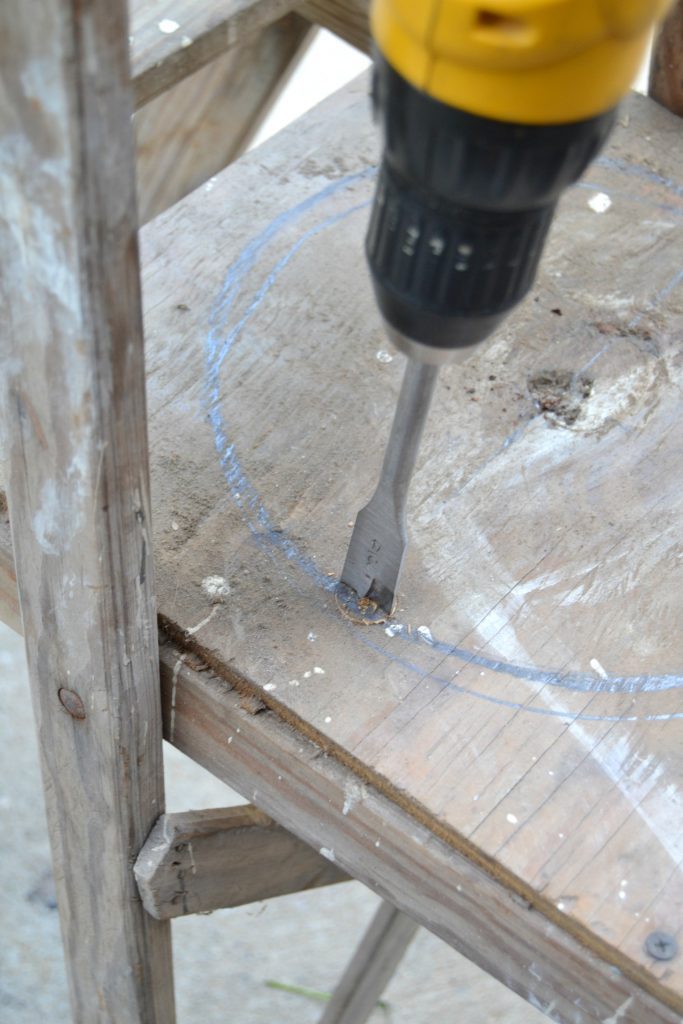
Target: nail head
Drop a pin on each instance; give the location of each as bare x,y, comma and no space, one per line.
71,702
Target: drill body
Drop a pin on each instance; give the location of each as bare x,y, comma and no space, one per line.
488,114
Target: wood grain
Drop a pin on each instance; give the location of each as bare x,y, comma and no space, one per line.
193,131
371,968
666,67
73,401
346,18
205,30
199,861
304,787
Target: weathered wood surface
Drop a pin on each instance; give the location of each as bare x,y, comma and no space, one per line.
312,794
371,968
346,18
73,403
199,861
171,40
533,724
534,719
193,131
666,67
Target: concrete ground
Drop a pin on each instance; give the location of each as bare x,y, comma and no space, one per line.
223,961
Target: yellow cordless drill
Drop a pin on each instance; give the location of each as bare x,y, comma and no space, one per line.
489,111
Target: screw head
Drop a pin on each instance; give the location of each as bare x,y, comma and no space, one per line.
71,702
661,946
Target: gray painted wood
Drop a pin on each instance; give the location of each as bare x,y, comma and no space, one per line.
369,972
74,407
199,861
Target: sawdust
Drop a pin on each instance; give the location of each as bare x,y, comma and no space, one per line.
560,394
360,610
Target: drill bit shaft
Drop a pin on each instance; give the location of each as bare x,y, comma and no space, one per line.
378,542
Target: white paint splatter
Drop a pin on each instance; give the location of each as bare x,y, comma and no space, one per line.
312,636
327,853
185,41
394,628
318,670
174,687
597,667
600,202
620,1013
425,633
384,357
294,682
327,720
270,687
60,512
195,629
512,818
168,26
354,792
216,589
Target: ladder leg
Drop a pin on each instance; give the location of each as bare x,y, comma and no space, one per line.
72,377
371,967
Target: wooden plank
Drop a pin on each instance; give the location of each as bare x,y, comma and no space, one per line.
371,968
346,18
199,861
534,719
171,40
378,842
74,407
193,131
666,67
305,787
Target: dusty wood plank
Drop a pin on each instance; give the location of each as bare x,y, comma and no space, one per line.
534,719
193,131
346,18
304,787
74,409
206,29
666,68
199,861
379,953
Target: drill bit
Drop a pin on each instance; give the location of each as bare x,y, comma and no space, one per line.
378,542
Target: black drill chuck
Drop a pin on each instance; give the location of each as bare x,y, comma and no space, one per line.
461,212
